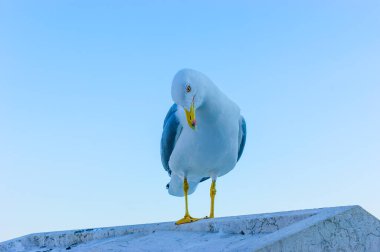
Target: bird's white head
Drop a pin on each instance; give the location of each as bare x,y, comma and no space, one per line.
189,89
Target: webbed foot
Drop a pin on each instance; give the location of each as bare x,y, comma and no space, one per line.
186,219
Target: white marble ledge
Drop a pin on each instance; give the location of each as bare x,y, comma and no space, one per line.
348,228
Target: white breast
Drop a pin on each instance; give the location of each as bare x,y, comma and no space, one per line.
211,150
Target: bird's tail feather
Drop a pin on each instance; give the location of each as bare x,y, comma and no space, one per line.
175,186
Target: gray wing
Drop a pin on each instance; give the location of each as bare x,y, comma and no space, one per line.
242,136
171,132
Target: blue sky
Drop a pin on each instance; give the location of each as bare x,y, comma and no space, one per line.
85,85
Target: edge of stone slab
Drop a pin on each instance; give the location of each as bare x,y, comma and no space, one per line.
293,230
66,238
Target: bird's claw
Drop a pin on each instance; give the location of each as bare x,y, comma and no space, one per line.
207,217
186,219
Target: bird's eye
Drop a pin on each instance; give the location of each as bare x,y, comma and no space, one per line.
188,88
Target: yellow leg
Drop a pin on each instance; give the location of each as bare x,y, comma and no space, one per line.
187,218
212,195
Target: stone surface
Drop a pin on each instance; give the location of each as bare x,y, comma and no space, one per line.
347,228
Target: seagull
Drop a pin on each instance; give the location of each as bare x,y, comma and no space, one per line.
203,136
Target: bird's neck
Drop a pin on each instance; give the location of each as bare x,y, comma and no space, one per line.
214,107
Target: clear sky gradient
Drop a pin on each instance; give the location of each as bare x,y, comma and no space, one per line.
85,86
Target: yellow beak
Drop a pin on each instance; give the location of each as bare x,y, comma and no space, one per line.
190,116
